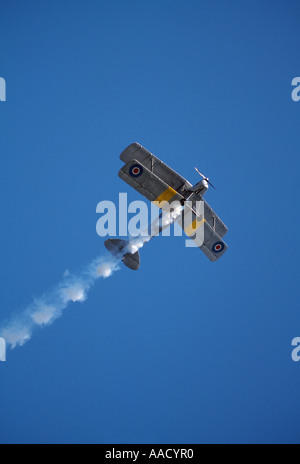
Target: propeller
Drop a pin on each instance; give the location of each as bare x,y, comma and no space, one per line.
205,178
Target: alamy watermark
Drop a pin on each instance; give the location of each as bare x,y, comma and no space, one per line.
2,350
296,350
2,89
296,90
137,220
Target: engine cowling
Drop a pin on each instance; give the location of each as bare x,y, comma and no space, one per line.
200,188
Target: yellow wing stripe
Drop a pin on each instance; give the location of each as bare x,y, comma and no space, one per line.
167,195
191,229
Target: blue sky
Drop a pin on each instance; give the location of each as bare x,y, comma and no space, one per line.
183,351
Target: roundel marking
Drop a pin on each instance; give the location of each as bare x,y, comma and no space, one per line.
136,170
218,247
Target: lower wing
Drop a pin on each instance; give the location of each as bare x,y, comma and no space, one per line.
203,235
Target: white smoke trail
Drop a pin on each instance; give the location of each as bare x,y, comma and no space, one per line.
159,224
45,310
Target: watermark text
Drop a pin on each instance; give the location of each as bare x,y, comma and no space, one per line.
135,219
296,350
296,90
2,89
2,350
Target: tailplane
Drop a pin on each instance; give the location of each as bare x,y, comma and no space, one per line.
119,248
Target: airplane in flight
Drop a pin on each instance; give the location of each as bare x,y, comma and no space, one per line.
164,187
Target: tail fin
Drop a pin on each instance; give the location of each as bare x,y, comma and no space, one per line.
118,247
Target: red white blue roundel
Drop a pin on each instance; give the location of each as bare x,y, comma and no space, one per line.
136,170
218,247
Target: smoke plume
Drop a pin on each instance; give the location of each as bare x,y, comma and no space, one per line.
73,288
44,310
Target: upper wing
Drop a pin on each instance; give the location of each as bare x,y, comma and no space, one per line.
147,183
155,166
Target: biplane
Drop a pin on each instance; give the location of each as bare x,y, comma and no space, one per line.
160,184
